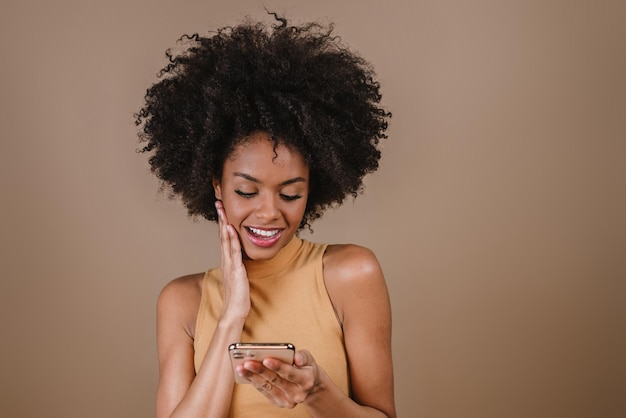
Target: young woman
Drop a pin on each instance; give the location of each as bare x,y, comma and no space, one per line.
261,129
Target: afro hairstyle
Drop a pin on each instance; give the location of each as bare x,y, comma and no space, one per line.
298,84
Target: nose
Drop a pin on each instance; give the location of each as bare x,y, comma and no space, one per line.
267,209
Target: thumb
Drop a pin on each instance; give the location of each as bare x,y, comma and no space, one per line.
303,358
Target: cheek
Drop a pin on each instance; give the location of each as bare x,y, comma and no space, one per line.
233,208
299,211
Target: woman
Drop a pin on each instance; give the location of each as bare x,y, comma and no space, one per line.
262,129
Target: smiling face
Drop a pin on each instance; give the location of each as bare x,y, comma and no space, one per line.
264,190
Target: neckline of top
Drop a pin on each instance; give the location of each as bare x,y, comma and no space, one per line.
258,269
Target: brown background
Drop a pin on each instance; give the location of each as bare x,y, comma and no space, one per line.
498,212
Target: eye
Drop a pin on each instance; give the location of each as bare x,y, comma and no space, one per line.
244,194
290,198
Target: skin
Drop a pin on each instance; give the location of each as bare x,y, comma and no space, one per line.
257,189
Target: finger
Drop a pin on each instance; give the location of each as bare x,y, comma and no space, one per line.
234,245
286,372
274,363
269,384
266,384
303,358
274,395
257,374
298,379
219,209
288,385
224,234
219,205
261,370
266,387
228,234
261,376
220,219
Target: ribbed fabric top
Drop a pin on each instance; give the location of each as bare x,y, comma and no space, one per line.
289,303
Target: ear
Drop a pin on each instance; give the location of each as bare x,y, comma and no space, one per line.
218,188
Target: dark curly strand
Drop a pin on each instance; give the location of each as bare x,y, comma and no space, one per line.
297,83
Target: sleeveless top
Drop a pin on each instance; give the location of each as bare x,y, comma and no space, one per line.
289,303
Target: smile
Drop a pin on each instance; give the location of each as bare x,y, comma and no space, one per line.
267,233
263,237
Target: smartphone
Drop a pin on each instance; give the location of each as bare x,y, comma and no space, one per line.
240,352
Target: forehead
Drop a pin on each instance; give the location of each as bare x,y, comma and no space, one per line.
260,154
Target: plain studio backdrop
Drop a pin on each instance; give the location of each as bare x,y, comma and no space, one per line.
498,212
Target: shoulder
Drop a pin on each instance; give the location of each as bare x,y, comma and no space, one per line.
353,277
349,262
179,301
183,289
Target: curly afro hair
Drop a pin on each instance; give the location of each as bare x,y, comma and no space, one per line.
298,84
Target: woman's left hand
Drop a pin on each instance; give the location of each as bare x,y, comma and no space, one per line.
285,385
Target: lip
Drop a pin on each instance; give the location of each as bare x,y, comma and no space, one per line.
263,241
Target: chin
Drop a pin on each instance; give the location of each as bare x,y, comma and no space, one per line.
259,253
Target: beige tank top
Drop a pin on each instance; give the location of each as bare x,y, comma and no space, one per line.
289,304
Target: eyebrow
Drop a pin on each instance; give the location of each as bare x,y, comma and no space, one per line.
255,180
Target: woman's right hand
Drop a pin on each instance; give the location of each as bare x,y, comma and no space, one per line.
236,288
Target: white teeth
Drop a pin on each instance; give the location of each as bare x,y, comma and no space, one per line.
263,232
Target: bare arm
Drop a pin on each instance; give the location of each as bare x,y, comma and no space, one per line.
182,393
357,288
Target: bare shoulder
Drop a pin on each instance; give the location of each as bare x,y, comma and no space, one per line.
352,275
185,286
349,262
179,301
